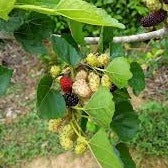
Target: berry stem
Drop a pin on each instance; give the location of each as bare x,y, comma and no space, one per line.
78,108
72,73
85,116
77,133
77,125
99,69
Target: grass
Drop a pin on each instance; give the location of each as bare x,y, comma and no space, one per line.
26,139
152,138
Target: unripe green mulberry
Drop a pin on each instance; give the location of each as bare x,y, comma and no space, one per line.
94,81
66,137
103,59
81,145
68,131
153,5
92,60
105,81
55,125
66,143
165,6
55,71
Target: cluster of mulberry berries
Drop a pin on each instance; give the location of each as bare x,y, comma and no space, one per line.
158,14
67,136
71,98
88,81
77,88
96,60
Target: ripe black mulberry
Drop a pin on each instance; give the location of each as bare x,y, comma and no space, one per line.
154,18
71,99
165,1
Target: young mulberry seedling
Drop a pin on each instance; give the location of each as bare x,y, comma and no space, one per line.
71,99
154,18
66,84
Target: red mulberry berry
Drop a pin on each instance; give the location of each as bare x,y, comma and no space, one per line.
154,18
66,84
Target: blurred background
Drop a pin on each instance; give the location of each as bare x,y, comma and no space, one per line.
24,139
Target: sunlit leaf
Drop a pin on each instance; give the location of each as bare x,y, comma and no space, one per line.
104,152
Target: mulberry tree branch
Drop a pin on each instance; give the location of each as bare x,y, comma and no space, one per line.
133,38
123,39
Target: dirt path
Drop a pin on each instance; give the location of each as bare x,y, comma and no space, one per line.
27,70
67,160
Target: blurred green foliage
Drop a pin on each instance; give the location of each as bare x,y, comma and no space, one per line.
151,55
152,138
127,12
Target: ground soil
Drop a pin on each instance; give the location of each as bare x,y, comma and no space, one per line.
27,70
67,160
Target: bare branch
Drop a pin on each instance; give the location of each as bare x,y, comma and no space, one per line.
91,40
133,38
123,39
142,37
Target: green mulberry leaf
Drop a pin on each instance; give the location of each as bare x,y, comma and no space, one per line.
125,121
77,10
137,82
6,7
66,49
103,151
119,71
101,107
50,103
